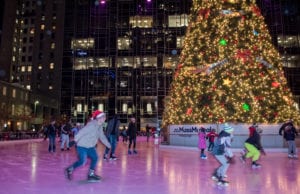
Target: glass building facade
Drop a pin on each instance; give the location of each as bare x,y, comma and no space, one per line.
119,56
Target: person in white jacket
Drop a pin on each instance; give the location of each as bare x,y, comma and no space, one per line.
86,140
223,154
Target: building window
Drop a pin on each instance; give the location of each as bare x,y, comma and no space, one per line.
4,91
179,41
43,27
28,87
52,45
124,43
50,87
40,66
14,93
29,68
85,43
79,107
51,66
178,20
141,21
23,68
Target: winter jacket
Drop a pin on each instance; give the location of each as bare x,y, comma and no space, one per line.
113,127
223,144
201,140
88,136
254,138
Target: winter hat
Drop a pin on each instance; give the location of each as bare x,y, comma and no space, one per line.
97,114
227,128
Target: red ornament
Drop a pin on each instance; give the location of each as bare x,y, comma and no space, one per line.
256,10
189,111
275,84
204,12
243,54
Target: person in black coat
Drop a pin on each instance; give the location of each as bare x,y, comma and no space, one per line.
289,134
112,134
132,133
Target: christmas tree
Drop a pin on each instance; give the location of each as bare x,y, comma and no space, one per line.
229,71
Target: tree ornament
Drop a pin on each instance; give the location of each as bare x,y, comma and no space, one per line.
246,107
189,111
223,42
275,84
227,82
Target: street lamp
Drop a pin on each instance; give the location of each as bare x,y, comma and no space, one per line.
35,103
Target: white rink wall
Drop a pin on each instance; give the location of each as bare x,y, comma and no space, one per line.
186,135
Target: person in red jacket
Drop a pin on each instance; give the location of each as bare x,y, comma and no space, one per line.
211,139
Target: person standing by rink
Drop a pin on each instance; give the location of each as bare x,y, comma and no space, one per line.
131,133
223,154
289,134
112,133
211,139
253,146
148,128
86,141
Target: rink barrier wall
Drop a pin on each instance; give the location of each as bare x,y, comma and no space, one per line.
187,135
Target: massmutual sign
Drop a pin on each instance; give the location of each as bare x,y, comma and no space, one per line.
190,129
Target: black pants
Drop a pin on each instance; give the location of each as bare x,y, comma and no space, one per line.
132,139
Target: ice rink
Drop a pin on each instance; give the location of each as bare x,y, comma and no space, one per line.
28,168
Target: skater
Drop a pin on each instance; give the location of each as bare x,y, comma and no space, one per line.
51,133
86,141
211,139
148,128
253,146
65,135
202,142
112,134
131,133
289,134
223,154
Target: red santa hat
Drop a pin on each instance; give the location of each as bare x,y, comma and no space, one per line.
98,114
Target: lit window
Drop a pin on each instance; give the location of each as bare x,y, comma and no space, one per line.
53,27
50,87
23,68
79,107
40,66
13,109
28,87
32,31
178,20
29,68
43,27
4,91
179,42
13,58
124,43
141,21
101,107
14,93
52,45
51,66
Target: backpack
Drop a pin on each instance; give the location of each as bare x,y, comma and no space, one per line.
218,149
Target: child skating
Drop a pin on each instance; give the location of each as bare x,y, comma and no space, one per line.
202,142
223,154
253,146
86,140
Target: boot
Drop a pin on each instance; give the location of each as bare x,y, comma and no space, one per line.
68,173
92,177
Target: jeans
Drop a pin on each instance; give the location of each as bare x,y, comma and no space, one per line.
113,142
222,169
65,139
83,153
292,147
51,147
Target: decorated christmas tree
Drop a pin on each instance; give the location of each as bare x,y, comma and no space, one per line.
229,71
